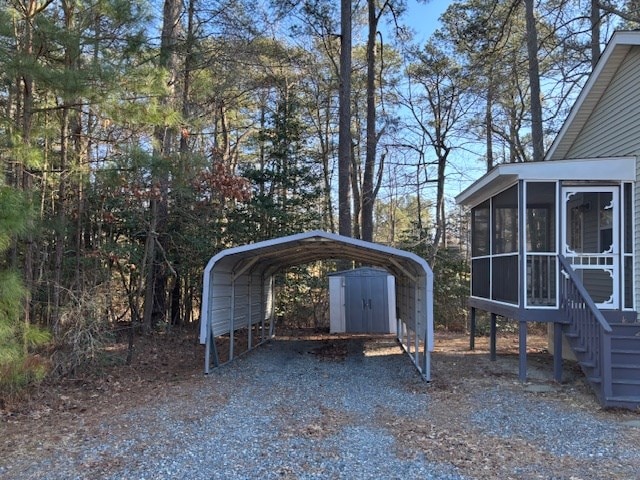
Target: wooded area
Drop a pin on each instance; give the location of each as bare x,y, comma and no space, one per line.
137,139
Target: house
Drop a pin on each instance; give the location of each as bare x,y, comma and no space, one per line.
556,241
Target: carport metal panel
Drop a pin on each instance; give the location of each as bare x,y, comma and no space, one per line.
239,269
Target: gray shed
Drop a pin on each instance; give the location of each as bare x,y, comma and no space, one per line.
362,300
239,289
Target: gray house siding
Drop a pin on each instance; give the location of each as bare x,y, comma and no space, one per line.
614,126
613,129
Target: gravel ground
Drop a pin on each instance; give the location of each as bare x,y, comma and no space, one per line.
353,409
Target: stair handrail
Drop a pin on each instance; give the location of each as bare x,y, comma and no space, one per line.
603,330
586,298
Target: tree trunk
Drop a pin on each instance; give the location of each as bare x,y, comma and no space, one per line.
165,138
595,32
176,297
150,255
355,189
534,82
370,155
344,126
61,221
488,117
22,178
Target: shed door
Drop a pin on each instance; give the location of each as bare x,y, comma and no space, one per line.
590,240
366,304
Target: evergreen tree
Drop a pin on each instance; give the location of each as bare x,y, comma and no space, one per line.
17,366
287,192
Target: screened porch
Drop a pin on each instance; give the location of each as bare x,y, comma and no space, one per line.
525,216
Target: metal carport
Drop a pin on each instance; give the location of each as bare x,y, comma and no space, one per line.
238,288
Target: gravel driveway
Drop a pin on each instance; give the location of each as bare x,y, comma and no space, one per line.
345,409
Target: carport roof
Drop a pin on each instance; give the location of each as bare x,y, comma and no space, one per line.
414,282
269,256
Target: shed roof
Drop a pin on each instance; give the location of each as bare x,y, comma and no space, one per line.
361,272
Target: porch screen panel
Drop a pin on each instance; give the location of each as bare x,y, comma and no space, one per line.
541,280
541,217
598,283
504,278
628,219
480,250
504,242
480,271
628,282
480,230
541,243
505,221
627,264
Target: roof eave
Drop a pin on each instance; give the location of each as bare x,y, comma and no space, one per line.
603,72
590,169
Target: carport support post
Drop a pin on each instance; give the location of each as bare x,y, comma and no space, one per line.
492,346
207,353
407,340
209,346
263,312
472,328
416,309
557,352
272,313
426,367
522,351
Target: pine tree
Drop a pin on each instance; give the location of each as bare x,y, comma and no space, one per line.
287,195
17,366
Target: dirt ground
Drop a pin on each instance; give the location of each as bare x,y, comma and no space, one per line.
172,364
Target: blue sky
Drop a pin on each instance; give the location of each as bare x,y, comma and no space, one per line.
423,17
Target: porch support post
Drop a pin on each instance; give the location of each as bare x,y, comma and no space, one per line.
522,351
472,328
492,342
250,323
557,352
232,319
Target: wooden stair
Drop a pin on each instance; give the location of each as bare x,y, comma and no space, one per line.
616,381
606,344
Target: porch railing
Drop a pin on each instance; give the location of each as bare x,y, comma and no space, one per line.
588,330
541,280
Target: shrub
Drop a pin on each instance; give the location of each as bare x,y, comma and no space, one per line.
85,332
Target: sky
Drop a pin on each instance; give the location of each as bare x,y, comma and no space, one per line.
423,17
